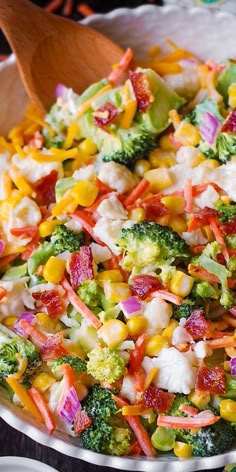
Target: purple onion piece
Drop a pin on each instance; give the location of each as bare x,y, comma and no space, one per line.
233,311
131,306
2,246
232,364
209,128
26,315
60,91
70,406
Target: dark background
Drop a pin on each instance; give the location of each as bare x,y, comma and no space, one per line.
12,442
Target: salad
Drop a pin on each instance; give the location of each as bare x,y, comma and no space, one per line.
118,259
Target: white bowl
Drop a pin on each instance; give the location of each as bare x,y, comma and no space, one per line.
208,35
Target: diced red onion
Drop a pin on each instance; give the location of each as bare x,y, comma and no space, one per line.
209,128
26,315
2,246
70,406
131,307
60,91
232,364
233,311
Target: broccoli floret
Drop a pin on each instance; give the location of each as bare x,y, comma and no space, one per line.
196,115
105,364
77,364
64,239
204,290
225,79
40,256
178,401
226,146
93,296
102,435
231,241
12,347
227,211
150,244
211,440
185,309
230,387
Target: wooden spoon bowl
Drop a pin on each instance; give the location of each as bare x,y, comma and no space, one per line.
51,50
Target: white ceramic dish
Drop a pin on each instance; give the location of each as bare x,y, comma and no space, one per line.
207,34
23,464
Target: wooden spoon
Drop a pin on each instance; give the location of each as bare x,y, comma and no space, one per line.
51,50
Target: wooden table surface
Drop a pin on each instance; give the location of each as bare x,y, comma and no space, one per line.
12,442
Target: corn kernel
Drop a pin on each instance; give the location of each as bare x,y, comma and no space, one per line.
200,400
175,118
45,321
155,344
225,199
47,227
232,95
168,331
208,233
178,224
113,275
84,193
181,284
137,214
187,134
159,179
43,381
163,220
161,158
166,144
54,269
136,325
228,410
141,166
210,163
87,146
113,332
183,450
116,292
174,204
9,321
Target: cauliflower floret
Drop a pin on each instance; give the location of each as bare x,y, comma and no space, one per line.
117,177
100,253
181,336
108,231
188,156
176,372
25,213
128,389
16,299
112,208
84,173
201,350
207,198
33,170
187,82
194,238
158,313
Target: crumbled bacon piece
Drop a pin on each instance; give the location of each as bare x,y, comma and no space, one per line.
153,209
229,227
158,399
211,380
105,115
81,266
52,348
45,188
144,285
230,125
201,217
81,421
142,90
196,325
52,300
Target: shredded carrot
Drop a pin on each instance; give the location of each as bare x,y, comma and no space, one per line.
219,236
122,66
170,297
227,341
3,292
188,195
33,332
68,8
136,193
202,274
3,57
54,5
103,188
189,410
85,10
197,249
198,421
86,221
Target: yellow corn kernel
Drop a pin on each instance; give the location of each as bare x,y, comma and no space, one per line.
159,179
137,214
161,158
163,220
155,344
183,450
141,166
87,146
168,331
54,269
43,381
228,410
46,322
9,321
136,325
232,95
187,134
175,118
174,204
117,291
166,144
200,400
113,332
177,223
47,227
208,233
225,199
113,275
84,193
71,134
181,284
210,163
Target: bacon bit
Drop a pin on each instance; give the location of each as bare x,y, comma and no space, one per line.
25,232
229,227
188,195
45,188
52,300
31,246
87,223
122,66
211,380
202,274
81,421
230,125
85,10
103,188
142,90
153,208
136,193
3,292
68,8
81,266
138,353
158,399
170,297
144,285
189,410
54,5
218,236
52,348
105,115
213,65
197,249
197,326
202,218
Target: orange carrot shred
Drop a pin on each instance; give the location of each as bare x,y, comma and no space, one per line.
68,8
219,236
122,66
136,193
188,195
54,5
85,10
